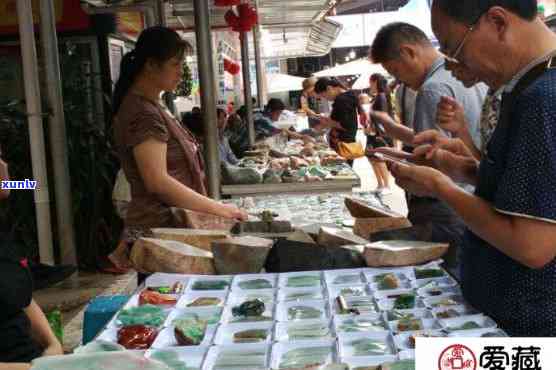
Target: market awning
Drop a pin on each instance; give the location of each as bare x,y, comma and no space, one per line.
357,67
290,28
278,82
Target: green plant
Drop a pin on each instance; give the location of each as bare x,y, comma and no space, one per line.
92,166
186,85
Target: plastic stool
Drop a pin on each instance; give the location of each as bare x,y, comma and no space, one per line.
99,312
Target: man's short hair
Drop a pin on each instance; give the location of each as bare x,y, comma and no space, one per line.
275,105
389,39
469,11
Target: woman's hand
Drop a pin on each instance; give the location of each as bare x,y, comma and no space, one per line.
233,212
450,116
54,349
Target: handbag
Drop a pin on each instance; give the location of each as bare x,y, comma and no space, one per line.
350,151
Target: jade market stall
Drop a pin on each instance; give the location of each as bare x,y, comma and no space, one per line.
332,319
278,166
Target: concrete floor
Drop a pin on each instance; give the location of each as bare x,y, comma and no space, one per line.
72,296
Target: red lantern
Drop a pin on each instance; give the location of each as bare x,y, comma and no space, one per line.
226,2
244,20
231,67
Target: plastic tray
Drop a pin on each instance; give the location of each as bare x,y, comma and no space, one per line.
419,313
403,274
402,342
282,309
167,339
476,333
237,297
362,362
190,297
352,303
388,304
285,282
403,284
462,310
389,294
191,286
346,348
280,349
241,351
441,282
483,321
225,332
438,292
437,302
281,330
289,294
358,290
202,313
427,324
191,356
335,278
228,317
164,279
271,278
341,321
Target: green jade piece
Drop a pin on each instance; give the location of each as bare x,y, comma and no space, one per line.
255,284
361,325
428,273
308,331
172,360
251,336
210,285
148,314
303,281
303,312
252,308
404,302
205,301
469,325
299,296
369,347
240,360
299,357
347,279
189,332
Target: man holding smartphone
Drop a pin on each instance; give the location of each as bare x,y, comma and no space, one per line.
407,54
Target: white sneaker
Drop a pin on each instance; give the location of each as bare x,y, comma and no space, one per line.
385,191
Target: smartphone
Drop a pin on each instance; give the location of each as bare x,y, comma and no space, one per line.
389,158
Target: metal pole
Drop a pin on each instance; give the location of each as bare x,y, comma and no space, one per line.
161,10
247,86
208,94
261,96
57,133
36,133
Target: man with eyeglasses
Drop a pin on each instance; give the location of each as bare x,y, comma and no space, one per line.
407,53
509,254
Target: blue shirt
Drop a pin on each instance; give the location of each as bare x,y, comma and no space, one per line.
518,177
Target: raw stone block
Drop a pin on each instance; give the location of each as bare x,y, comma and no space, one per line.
197,220
360,209
195,237
364,227
333,237
302,237
259,227
154,255
402,253
287,256
239,255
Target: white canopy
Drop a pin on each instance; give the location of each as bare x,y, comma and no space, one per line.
356,67
278,82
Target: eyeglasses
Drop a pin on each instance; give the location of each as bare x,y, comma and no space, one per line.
452,57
